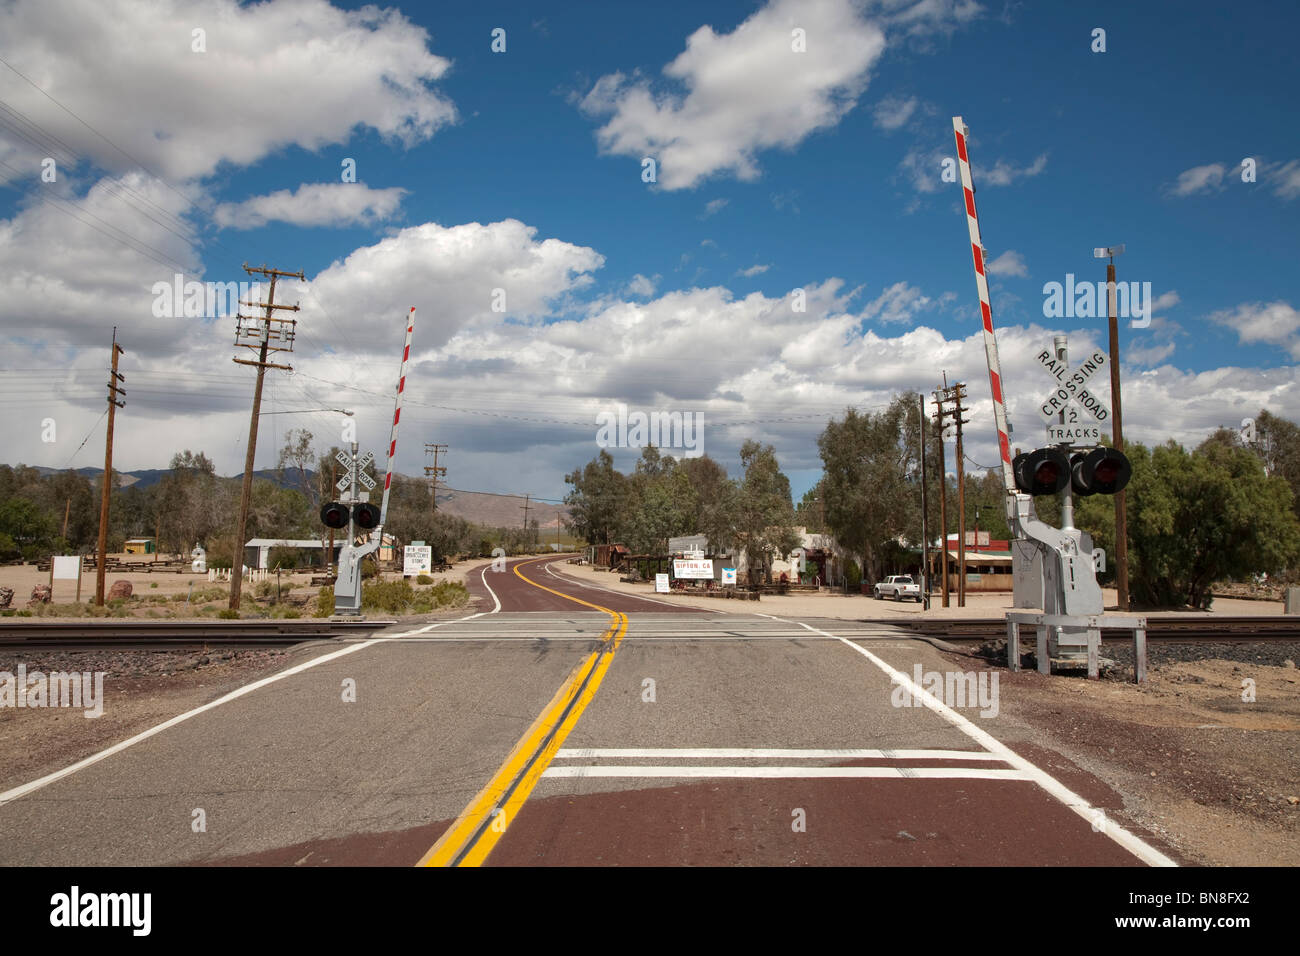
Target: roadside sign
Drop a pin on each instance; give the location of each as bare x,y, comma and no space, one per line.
67,567
417,560
661,584
1072,385
694,568
728,575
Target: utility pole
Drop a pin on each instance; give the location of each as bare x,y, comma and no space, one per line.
1117,432
525,507
262,331
432,472
114,390
939,415
958,393
925,541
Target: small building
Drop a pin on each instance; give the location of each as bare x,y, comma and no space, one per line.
141,546
688,542
606,555
985,570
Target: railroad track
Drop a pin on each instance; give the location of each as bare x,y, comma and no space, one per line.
121,635
1227,630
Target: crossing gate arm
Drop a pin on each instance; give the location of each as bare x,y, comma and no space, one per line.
961,133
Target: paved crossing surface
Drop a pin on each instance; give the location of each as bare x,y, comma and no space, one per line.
561,724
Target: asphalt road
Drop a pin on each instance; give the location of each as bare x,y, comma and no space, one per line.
559,723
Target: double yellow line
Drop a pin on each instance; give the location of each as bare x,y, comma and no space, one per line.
470,839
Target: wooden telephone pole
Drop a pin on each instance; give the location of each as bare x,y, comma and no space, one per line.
959,392
258,332
433,472
114,390
952,395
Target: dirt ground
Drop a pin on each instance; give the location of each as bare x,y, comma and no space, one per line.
163,594
1216,776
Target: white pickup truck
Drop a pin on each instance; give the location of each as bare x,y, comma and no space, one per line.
898,586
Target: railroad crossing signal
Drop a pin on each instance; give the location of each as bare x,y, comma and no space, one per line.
1046,471
335,513
1102,471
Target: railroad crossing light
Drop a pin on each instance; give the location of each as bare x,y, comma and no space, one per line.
1102,471
334,515
1044,471
366,516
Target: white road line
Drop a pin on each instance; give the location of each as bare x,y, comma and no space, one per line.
741,753
29,788
802,773
1134,844
495,599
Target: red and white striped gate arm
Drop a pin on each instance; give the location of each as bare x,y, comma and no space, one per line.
397,415
986,310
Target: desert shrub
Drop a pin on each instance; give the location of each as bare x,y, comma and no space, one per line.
423,579
449,594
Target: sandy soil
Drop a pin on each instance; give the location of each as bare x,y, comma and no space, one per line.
152,588
857,607
1216,776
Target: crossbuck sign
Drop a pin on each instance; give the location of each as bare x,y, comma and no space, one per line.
363,479
1072,385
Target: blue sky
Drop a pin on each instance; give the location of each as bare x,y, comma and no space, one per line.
667,296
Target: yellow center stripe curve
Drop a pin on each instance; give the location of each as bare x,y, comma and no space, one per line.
471,837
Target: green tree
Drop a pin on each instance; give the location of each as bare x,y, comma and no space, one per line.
191,501
871,465
31,531
713,502
764,510
1203,517
1277,441
598,501
294,466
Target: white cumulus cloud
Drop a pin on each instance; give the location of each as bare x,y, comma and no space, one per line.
313,204
274,74
745,91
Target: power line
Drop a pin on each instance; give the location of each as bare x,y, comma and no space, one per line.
93,428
